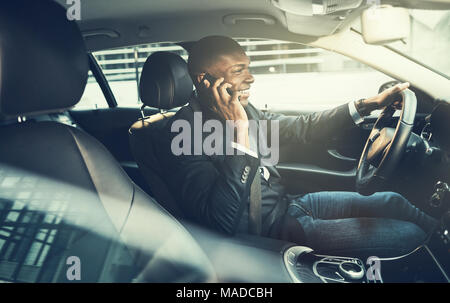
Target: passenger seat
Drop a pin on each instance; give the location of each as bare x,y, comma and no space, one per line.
61,178
165,84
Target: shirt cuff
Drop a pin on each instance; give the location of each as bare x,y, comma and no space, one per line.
354,113
244,149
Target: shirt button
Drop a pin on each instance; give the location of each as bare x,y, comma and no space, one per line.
247,169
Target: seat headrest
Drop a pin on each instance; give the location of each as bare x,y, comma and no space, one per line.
43,60
165,82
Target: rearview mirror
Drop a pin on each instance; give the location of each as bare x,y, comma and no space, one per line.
384,24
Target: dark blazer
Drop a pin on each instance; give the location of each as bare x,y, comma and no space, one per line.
214,190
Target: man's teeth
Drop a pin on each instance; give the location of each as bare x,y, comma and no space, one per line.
245,92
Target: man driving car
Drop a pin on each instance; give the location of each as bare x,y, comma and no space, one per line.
218,191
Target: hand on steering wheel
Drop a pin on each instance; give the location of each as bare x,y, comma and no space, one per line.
385,145
386,97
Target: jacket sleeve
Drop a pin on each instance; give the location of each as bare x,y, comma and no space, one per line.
212,193
314,127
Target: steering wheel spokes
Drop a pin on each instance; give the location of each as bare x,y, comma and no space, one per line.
378,145
385,146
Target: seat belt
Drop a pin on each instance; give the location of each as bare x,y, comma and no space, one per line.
255,216
254,213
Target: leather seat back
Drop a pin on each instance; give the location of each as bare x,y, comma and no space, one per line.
165,84
60,189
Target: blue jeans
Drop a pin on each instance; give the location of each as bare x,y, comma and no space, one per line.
348,224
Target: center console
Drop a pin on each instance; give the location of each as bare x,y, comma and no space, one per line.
304,266
427,263
247,258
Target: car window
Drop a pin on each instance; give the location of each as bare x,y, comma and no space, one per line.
429,39
122,68
287,75
93,95
297,77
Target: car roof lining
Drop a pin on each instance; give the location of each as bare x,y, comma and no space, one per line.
167,21
143,21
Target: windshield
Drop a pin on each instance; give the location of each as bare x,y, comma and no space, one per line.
429,41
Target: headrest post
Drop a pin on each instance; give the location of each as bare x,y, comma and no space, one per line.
142,111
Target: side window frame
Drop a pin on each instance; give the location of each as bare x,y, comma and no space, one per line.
101,81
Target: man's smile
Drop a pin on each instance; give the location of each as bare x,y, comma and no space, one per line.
245,92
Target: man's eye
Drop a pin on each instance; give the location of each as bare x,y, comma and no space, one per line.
237,71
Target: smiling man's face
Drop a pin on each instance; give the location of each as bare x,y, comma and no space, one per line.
234,69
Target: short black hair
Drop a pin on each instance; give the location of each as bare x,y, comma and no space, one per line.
206,50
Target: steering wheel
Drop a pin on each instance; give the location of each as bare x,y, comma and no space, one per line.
385,146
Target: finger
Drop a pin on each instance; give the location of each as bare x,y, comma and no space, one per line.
398,104
218,82
215,91
401,86
235,96
224,93
206,83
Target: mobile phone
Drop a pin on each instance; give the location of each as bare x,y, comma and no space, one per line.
212,80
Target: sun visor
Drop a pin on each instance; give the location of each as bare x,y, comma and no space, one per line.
315,17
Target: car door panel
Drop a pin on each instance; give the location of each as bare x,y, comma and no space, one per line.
317,167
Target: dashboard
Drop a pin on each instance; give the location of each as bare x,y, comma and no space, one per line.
432,118
440,124
423,175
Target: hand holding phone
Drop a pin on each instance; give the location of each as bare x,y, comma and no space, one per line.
219,98
212,80
230,110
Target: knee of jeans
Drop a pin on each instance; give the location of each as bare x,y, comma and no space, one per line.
412,236
396,200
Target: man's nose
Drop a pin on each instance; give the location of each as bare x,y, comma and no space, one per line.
249,79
